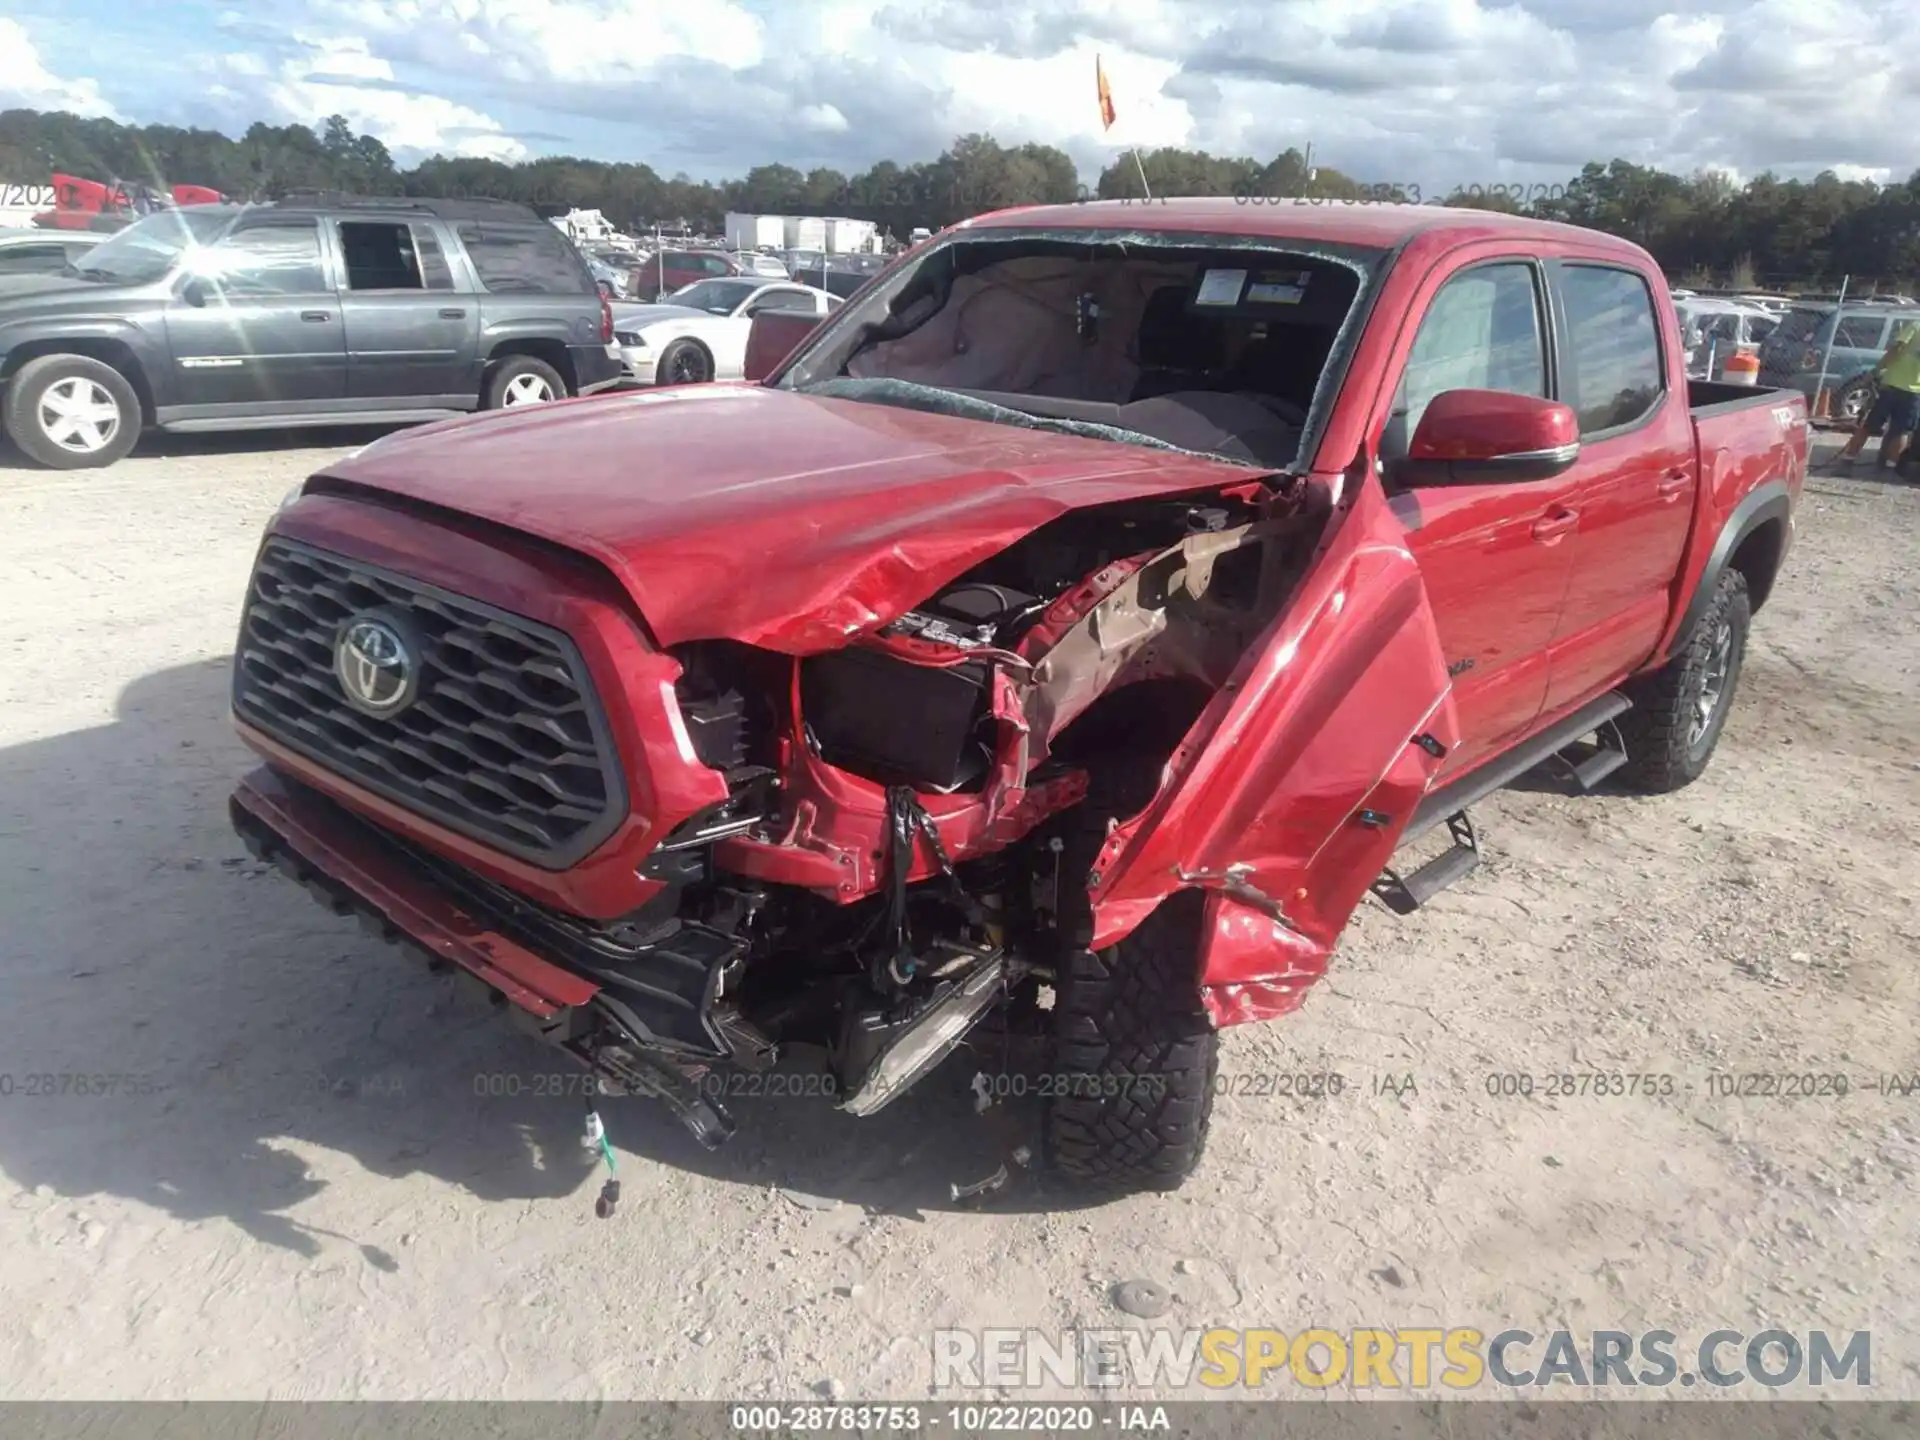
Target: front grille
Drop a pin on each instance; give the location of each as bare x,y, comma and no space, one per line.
503,740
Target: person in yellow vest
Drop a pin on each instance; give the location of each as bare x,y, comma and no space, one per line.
1896,408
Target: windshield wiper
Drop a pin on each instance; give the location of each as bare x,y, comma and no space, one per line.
93,272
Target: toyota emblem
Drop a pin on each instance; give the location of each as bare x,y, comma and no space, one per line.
377,669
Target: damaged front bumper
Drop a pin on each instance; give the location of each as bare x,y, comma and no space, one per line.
648,1014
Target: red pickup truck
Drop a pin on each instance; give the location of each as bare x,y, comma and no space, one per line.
1062,640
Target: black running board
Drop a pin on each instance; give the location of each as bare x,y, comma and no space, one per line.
1498,773
1405,894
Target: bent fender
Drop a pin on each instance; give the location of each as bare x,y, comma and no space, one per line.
1291,795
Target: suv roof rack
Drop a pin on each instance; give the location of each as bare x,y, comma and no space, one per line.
476,209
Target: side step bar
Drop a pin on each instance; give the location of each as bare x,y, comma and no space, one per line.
1405,894
1497,774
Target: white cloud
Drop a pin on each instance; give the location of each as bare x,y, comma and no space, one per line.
342,76
26,81
1431,92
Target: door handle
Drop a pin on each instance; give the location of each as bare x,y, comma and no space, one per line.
318,316
453,314
1550,527
1673,483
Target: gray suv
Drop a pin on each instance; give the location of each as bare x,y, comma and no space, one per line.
322,312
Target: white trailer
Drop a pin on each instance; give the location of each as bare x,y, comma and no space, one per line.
851,237
755,232
806,232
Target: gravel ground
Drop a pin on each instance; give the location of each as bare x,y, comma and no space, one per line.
303,1189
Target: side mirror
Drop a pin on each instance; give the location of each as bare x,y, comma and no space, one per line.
1489,437
773,337
194,292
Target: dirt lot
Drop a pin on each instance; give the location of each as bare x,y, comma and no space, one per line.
302,1188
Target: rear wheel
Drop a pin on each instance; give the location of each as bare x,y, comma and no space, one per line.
522,380
1679,710
72,412
684,362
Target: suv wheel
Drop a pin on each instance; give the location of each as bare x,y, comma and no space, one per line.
522,380
71,412
1679,710
1855,400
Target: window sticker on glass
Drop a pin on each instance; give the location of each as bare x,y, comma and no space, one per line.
1278,287
1221,287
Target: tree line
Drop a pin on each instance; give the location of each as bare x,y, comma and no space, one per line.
1703,228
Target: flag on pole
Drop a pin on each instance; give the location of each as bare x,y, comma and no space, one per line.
1106,95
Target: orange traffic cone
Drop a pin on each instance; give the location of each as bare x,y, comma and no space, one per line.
1743,368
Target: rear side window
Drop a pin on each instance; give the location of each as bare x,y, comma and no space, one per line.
1613,340
1861,332
526,261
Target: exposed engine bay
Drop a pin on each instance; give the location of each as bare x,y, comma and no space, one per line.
909,823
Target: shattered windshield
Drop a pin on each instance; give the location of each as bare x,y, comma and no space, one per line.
1218,346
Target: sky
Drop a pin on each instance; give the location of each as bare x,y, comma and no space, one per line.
1426,93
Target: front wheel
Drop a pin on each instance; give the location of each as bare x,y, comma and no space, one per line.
522,380
1856,398
72,412
683,363
1681,708
1135,1059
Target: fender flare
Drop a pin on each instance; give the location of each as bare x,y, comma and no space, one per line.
60,331
1762,505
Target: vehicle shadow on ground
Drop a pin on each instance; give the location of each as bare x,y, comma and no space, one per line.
181,1026
162,445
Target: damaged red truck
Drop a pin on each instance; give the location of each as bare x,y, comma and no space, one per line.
1061,641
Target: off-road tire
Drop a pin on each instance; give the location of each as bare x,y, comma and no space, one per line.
500,379
693,355
1664,753
22,412
1136,1058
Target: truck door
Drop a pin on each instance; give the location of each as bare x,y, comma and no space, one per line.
411,330
257,323
1632,489
1494,556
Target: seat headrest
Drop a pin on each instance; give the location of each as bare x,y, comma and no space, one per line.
1173,338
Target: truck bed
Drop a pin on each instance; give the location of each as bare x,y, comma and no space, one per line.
1718,397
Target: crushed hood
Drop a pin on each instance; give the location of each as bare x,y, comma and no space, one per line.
778,519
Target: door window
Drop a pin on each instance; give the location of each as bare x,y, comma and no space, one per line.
788,300
268,260
1613,340
1860,332
1482,332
